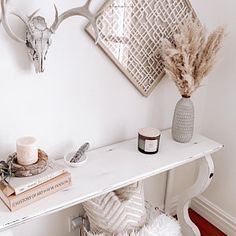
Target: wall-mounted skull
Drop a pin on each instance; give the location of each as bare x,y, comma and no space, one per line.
38,40
38,34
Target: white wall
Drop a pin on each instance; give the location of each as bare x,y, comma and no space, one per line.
80,97
220,111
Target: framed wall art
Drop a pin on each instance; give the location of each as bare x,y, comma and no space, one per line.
131,32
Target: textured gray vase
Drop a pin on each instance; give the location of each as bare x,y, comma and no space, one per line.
183,121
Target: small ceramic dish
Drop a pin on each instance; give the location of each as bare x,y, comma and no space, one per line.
69,156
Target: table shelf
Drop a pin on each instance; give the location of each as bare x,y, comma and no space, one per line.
109,168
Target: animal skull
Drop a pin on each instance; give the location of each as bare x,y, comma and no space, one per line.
38,34
38,40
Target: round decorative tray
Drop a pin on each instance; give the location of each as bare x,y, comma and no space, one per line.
29,170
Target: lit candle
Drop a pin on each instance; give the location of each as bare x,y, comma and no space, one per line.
27,150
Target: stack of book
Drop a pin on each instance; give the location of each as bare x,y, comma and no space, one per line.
20,192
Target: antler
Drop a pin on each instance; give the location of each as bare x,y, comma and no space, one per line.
5,21
25,19
78,11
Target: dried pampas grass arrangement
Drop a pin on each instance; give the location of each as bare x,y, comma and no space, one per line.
191,55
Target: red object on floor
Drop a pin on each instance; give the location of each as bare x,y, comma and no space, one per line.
206,228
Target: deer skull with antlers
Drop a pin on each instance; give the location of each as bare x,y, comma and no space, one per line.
38,34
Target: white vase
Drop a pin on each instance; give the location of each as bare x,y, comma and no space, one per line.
183,121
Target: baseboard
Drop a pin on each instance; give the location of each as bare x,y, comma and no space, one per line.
211,212
215,215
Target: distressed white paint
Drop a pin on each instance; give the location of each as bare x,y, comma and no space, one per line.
219,122
206,171
219,118
110,168
80,97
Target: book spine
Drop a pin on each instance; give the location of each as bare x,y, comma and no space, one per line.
39,192
7,189
37,182
3,196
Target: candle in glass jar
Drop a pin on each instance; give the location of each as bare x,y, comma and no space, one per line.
148,140
27,150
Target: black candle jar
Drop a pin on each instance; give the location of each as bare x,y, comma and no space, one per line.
148,140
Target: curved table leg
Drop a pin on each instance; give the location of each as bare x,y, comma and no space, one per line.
205,174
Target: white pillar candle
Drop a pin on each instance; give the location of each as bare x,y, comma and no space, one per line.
27,150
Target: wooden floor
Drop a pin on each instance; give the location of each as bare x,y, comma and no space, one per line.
206,228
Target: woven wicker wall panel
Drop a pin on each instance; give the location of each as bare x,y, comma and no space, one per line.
131,33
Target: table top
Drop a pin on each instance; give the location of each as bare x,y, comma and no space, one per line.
109,168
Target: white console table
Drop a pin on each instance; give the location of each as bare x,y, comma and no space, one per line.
109,168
